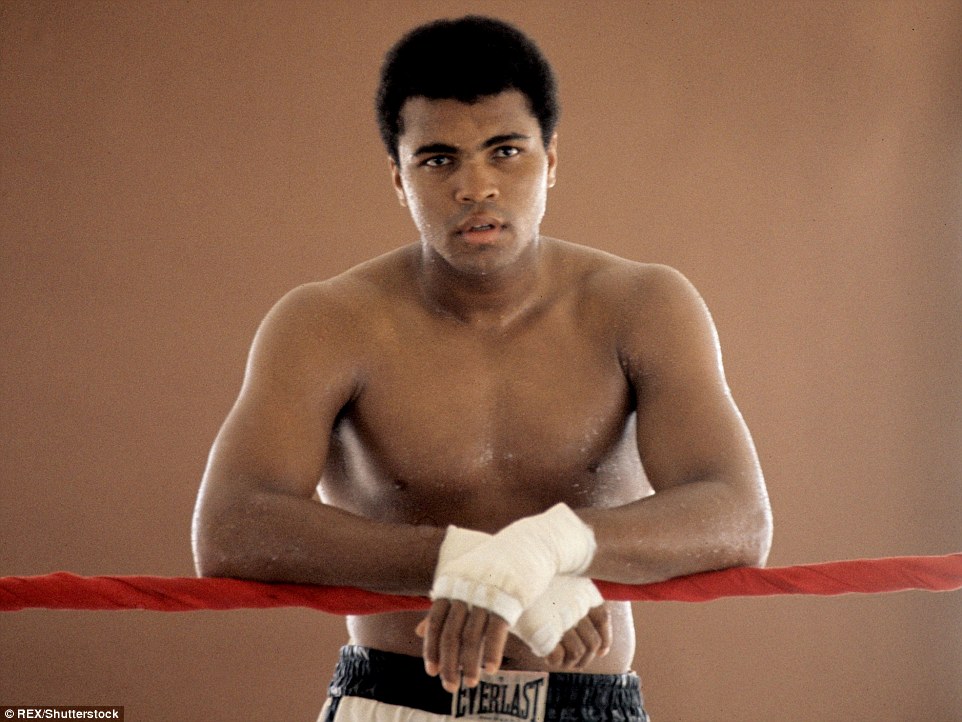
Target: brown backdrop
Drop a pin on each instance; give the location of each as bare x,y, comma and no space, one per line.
169,169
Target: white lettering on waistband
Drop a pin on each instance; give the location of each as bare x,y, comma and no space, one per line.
503,697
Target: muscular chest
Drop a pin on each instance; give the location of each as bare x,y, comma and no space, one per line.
535,416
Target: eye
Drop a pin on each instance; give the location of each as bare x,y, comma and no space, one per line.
436,161
506,151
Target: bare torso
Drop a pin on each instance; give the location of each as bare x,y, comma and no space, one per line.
454,423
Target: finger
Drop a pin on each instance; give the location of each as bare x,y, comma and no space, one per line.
449,646
432,625
591,640
556,657
495,637
601,616
574,648
472,644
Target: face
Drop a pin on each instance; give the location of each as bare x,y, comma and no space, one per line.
475,179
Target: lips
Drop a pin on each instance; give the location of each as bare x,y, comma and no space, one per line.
480,230
479,224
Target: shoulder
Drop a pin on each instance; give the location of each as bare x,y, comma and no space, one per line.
653,312
328,323
625,288
355,296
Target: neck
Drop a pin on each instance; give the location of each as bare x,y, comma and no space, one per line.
494,298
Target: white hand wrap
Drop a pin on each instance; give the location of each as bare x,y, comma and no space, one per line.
560,608
458,541
541,626
509,571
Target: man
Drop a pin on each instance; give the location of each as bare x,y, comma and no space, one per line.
488,415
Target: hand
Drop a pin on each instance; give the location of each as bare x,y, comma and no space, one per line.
589,639
483,585
448,621
462,641
563,605
507,573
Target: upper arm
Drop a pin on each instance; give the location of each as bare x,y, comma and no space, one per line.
299,375
689,427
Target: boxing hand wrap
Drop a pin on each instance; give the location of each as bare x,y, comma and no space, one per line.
458,541
541,626
509,571
564,604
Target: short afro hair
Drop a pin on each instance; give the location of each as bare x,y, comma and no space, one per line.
464,59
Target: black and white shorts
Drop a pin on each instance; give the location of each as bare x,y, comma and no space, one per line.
374,686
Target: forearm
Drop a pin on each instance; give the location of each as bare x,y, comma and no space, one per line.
274,537
689,528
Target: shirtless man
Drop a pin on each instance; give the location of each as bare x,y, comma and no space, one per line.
488,415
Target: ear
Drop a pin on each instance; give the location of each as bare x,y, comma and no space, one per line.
397,182
552,152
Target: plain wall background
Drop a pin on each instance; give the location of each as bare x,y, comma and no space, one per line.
169,169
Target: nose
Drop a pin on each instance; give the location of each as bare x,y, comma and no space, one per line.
475,182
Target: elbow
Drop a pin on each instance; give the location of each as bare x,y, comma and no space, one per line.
757,538
755,553
208,563
237,538
209,559
215,552
215,559
207,569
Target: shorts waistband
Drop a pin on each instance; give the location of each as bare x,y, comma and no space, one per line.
400,680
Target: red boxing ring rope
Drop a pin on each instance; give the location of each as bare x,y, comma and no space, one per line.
64,590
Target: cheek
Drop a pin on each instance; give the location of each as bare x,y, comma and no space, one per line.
421,213
535,200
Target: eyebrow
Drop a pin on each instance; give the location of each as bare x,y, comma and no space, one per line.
494,140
